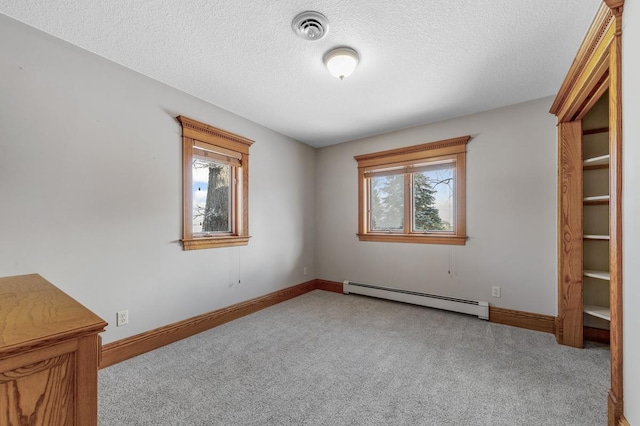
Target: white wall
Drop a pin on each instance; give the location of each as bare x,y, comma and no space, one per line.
511,213
90,189
631,208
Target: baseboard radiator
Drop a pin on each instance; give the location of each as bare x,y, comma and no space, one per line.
470,307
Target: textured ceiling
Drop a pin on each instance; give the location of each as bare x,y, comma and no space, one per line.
421,61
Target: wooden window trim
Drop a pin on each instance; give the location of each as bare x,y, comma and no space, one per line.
404,157
227,148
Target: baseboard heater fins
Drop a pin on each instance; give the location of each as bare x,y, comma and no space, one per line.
470,307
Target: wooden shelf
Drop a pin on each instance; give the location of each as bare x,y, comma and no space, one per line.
595,131
596,237
596,162
596,199
601,275
598,311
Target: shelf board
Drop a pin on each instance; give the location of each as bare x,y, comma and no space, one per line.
595,131
602,160
596,199
601,275
598,311
597,237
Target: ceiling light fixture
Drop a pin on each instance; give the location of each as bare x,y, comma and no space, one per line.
341,61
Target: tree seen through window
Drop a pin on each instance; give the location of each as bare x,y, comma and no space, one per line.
211,197
432,200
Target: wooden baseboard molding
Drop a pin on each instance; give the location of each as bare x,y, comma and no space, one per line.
596,335
121,350
528,320
511,317
115,352
333,286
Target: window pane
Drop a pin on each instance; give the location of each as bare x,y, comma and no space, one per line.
211,197
434,199
387,203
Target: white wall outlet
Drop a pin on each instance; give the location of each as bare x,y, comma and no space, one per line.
122,318
495,291
305,271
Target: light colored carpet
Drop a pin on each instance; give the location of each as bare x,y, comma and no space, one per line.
329,359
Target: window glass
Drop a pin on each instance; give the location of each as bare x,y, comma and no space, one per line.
211,197
434,199
387,203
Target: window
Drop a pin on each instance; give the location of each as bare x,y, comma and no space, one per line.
215,186
414,194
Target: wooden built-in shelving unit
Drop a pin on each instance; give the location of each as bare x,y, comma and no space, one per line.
595,181
588,108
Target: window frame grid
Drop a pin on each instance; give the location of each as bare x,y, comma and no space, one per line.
376,163
223,144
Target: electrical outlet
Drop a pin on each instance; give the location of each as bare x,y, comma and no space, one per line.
305,271
495,291
122,318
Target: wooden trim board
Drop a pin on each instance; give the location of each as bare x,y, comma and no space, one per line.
570,228
334,286
121,350
587,68
597,335
510,317
522,319
615,221
615,409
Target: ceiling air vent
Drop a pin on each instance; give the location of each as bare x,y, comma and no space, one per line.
310,25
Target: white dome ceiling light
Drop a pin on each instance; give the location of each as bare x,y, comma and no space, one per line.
341,61
310,25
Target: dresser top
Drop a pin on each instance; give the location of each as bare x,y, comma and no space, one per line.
34,312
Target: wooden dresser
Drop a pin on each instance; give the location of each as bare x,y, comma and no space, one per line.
49,353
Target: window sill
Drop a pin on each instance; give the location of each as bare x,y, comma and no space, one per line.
415,239
213,242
